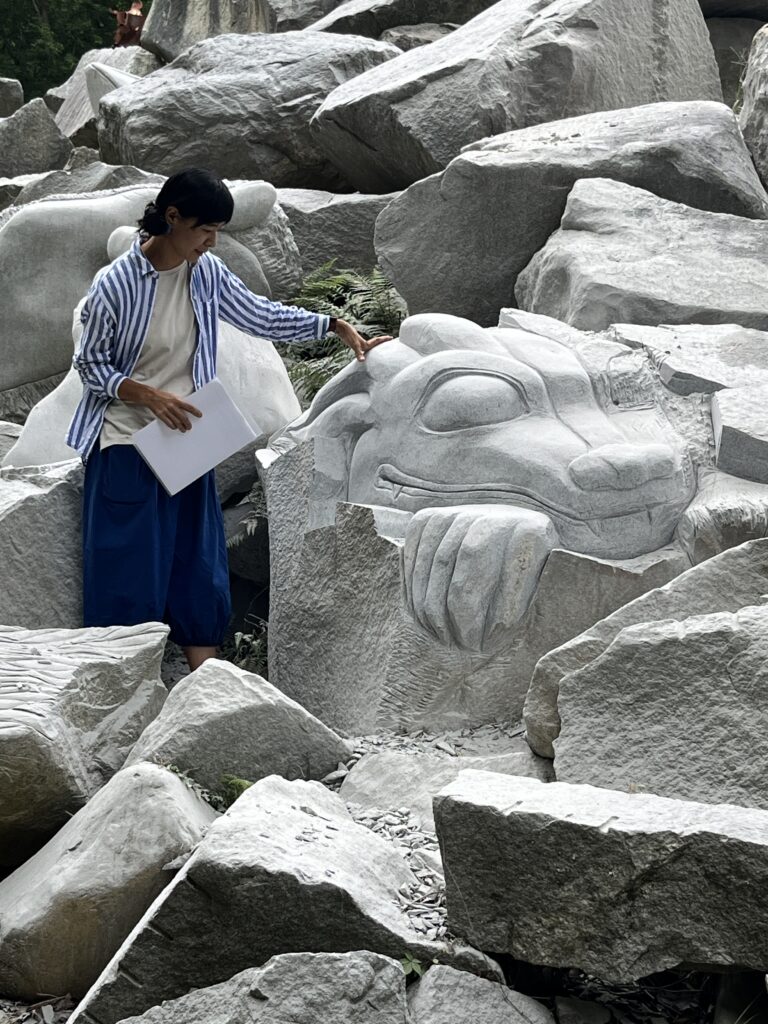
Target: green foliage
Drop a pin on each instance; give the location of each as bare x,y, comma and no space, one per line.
412,966
41,41
233,788
249,651
367,301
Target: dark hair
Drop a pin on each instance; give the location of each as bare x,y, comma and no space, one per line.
195,193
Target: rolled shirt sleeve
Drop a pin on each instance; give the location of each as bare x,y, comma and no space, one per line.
93,357
263,318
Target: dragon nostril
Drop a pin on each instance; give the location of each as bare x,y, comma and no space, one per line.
623,467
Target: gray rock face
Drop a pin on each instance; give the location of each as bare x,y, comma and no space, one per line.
284,869
75,117
731,40
457,241
221,106
753,112
552,873
333,227
65,912
725,583
514,65
93,177
30,141
303,988
221,720
374,17
172,26
11,96
408,37
701,358
447,996
74,703
687,266
40,546
676,708
395,778
277,251
741,438
9,435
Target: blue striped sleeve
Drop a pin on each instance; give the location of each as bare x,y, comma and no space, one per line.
263,318
93,357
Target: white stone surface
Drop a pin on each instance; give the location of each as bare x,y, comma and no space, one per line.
518,63
447,996
408,37
221,105
676,708
328,226
622,255
701,358
41,545
65,912
741,433
300,988
221,720
76,117
30,141
395,778
725,583
551,874
72,704
455,242
375,17
285,868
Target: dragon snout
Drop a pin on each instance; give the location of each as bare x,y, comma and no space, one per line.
623,467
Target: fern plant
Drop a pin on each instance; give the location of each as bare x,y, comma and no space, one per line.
368,302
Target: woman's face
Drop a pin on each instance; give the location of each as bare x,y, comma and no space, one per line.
190,239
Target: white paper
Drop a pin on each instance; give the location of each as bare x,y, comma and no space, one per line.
176,457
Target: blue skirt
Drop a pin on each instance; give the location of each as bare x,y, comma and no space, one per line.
149,557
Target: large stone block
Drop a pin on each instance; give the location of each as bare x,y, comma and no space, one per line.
623,255
514,65
285,870
399,778
753,111
41,546
221,106
447,996
65,912
333,227
456,241
375,17
619,885
731,40
741,436
74,703
30,141
11,96
300,988
221,720
727,582
675,707
76,117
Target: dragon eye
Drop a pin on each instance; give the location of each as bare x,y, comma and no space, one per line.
472,400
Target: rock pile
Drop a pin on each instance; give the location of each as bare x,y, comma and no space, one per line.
546,499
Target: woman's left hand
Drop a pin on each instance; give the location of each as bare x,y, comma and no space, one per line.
357,342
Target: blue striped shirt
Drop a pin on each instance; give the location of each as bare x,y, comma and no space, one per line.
116,316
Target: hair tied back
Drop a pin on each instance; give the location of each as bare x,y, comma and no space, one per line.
153,222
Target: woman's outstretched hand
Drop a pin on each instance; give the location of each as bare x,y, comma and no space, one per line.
173,411
357,342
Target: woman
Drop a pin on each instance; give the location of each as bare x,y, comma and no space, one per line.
149,341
